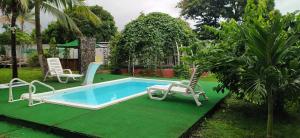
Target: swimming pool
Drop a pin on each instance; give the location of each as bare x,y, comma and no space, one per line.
100,95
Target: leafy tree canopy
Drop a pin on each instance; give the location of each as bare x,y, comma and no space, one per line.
21,37
256,59
212,12
152,38
102,31
234,56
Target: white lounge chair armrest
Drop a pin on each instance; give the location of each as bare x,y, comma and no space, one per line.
68,70
53,70
184,81
179,85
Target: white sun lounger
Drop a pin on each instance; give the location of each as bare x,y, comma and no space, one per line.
186,88
55,70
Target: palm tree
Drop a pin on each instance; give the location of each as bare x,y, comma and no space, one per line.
53,7
13,7
23,17
264,65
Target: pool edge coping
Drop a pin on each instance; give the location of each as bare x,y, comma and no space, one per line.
40,96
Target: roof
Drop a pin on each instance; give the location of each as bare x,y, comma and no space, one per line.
75,44
72,44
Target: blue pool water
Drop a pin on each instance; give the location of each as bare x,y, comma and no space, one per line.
105,93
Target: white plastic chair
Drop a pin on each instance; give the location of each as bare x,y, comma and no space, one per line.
186,88
55,70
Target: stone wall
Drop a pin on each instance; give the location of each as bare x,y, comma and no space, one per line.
86,53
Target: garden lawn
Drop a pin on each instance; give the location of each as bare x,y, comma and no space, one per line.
239,119
138,117
25,73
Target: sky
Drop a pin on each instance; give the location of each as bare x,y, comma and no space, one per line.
125,11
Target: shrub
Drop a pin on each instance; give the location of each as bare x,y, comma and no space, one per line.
2,50
53,51
182,71
151,39
33,60
116,71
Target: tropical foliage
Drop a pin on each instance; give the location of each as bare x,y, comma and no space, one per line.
13,8
23,17
53,51
102,31
21,37
54,7
212,12
151,39
2,50
255,59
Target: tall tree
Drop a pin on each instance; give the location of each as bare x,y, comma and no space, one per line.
54,7
152,39
13,7
103,32
212,12
38,35
24,16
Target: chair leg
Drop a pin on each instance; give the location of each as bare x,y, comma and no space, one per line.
201,92
156,98
61,81
45,78
204,95
196,98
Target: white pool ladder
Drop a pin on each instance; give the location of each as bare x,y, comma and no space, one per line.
11,85
32,91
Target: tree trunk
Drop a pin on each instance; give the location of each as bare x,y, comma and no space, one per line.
178,54
22,25
39,46
13,41
270,114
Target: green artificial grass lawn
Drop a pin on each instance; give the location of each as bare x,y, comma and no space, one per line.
13,131
138,117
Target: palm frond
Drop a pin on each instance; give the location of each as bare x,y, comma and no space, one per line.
23,4
4,19
85,11
62,18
